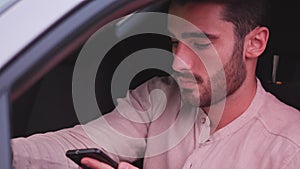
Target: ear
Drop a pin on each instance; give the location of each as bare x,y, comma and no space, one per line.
256,42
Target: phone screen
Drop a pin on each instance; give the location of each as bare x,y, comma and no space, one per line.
77,154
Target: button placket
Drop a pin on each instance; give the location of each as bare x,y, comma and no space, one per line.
205,130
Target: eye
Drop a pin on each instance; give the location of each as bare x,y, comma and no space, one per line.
201,45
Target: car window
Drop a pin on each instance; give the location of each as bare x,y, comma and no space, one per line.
48,104
43,54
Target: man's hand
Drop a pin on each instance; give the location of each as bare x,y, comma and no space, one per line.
95,164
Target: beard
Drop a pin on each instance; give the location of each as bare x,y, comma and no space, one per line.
212,90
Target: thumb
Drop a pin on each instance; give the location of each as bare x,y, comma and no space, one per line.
125,165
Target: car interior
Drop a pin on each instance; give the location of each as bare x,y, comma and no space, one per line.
47,104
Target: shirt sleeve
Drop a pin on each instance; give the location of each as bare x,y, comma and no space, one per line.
121,136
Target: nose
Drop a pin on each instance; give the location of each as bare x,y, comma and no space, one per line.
183,58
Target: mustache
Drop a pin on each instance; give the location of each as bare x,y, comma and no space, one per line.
188,75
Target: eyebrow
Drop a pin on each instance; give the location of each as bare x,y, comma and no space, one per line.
187,35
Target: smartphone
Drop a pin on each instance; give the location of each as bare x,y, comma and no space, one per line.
77,154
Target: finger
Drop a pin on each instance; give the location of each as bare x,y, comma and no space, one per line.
125,165
94,164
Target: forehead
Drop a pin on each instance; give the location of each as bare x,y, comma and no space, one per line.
205,16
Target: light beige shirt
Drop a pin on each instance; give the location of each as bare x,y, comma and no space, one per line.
265,136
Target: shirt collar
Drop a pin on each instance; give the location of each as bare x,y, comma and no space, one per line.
249,114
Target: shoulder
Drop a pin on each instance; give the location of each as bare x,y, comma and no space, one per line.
167,84
155,89
280,119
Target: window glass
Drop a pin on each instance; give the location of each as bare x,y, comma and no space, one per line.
5,4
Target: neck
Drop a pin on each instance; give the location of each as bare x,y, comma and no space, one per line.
235,105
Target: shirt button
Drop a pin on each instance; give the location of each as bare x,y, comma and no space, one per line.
203,120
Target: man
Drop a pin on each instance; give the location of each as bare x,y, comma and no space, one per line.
255,129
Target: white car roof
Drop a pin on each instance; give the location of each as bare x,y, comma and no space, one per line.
26,20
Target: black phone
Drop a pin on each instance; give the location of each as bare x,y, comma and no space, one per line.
77,154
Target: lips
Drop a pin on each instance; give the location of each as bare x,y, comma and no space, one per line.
187,83
187,80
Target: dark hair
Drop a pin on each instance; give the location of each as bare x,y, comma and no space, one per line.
244,14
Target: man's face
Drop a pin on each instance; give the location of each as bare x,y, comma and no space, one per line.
195,51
